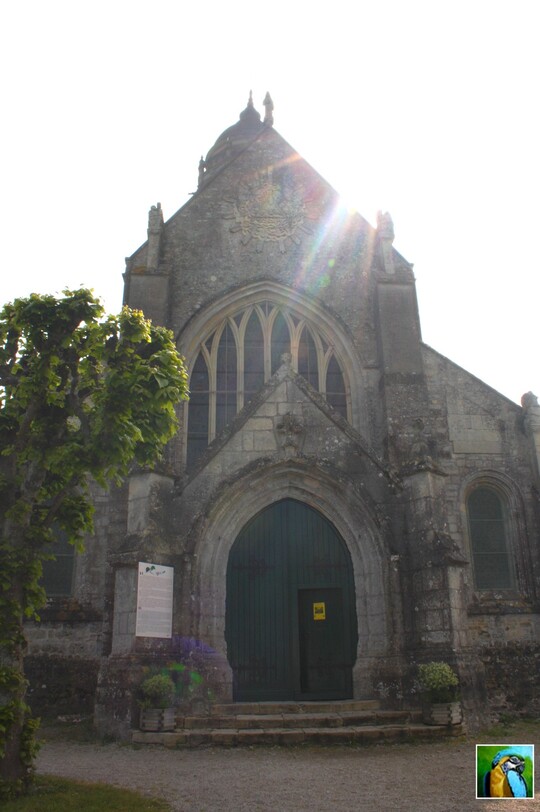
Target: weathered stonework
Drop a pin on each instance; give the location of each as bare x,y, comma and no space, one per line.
380,435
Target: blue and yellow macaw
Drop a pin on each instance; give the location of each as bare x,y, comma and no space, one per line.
504,780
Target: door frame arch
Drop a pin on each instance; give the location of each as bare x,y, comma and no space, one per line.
354,518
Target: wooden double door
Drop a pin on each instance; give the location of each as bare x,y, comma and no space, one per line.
291,626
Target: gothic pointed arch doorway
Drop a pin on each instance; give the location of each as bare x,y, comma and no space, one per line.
290,622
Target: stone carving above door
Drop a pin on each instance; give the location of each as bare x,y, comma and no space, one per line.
268,209
290,433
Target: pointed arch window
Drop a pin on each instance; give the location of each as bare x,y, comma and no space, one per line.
199,405
242,353
253,356
487,512
335,387
280,342
308,363
226,379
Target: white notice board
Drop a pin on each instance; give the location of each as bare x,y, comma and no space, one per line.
154,600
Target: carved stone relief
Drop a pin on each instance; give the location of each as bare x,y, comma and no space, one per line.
268,209
290,433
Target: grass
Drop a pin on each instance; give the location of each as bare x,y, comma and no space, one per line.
50,794
523,730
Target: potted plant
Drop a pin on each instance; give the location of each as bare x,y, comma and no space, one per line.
439,684
157,703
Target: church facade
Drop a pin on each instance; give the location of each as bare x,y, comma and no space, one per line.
341,502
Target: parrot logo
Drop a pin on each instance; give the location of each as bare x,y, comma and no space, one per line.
505,779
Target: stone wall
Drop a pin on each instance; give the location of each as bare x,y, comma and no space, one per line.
65,627
508,653
60,685
63,656
512,676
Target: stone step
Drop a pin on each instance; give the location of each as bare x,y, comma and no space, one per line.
267,708
280,723
231,737
264,721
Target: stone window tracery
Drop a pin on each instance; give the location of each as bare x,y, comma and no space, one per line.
235,360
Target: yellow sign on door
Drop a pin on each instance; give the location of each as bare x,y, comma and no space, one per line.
319,611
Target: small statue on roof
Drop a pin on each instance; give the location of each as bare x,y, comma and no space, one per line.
202,169
155,218
385,226
529,400
269,110
385,235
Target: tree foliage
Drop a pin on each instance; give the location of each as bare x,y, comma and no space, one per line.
81,396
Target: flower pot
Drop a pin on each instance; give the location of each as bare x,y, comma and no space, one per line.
157,719
442,713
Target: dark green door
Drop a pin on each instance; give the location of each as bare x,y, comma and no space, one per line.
283,561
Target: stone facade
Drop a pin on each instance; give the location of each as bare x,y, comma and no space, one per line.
311,385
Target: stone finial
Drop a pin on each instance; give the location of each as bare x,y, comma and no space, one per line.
202,169
528,400
250,100
530,405
155,227
385,226
155,219
269,110
385,235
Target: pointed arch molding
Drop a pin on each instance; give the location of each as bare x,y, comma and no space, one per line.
216,313
231,509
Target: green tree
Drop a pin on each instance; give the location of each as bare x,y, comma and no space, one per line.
82,396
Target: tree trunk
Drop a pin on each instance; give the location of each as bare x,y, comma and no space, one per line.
15,736
12,769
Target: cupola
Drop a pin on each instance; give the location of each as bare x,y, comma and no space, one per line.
234,139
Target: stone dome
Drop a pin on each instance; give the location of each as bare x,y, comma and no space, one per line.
232,141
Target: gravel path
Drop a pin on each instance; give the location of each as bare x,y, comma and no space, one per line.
415,778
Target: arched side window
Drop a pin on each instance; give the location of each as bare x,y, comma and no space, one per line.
235,359
57,578
489,533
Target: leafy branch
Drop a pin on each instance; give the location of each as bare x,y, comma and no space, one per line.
82,395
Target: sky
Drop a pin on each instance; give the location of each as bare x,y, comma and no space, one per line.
426,109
